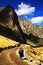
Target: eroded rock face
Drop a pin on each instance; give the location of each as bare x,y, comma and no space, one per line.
7,16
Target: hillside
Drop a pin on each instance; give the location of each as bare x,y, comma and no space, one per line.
35,33
29,28
19,29
5,42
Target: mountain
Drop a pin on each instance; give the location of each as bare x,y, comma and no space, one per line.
17,28
29,28
35,33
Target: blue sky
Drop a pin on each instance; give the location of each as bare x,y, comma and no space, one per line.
31,10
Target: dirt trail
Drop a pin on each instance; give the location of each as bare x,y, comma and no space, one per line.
9,57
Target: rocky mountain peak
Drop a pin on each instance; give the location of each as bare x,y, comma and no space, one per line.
7,16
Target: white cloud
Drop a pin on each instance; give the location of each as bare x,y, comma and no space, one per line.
24,9
37,19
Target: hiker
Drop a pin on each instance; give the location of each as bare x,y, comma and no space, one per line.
21,52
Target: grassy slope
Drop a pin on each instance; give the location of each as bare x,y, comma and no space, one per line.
4,42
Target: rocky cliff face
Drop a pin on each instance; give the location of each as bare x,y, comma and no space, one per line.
28,28
18,29
35,34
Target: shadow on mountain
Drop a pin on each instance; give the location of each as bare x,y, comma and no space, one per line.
9,17
33,38
7,32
